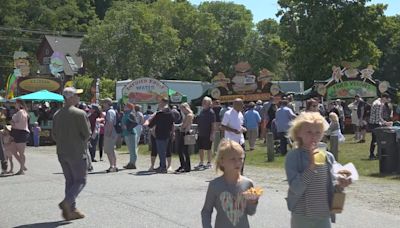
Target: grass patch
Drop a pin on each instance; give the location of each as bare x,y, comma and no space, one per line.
349,151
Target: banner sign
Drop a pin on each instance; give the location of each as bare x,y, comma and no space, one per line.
348,89
144,90
33,84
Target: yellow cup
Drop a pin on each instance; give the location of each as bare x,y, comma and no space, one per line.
319,157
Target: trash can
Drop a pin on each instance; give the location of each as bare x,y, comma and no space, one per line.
388,149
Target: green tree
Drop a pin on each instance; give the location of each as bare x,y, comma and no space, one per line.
389,43
325,33
197,35
265,49
236,24
23,22
130,42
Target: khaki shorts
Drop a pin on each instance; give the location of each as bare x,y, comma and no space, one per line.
109,144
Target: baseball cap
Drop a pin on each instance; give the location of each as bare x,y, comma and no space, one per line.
69,92
107,100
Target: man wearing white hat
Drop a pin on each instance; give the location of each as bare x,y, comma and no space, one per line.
71,132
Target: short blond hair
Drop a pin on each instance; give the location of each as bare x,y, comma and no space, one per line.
333,116
304,118
225,147
208,100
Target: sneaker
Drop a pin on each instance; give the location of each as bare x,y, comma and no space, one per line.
170,169
151,169
162,170
199,166
112,170
65,209
90,169
130,166
20,173
178,170
75,214
208,166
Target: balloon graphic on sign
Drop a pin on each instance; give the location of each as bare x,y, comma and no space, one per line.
56,63
383,86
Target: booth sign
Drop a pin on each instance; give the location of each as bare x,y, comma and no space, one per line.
33,84
348,89
144,90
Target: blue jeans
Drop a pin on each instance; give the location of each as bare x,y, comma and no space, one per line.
162,145
36,140
75,173
138,129
131,143
92,146
283,142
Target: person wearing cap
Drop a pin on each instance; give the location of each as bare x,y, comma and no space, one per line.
71,132
110,134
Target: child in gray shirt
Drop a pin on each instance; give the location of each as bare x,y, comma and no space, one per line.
225,193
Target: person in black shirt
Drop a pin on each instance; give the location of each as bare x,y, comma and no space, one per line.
206,132
163,122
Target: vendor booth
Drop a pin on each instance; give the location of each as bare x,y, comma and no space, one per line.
244,84
45,124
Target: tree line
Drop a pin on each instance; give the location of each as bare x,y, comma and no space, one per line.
177,40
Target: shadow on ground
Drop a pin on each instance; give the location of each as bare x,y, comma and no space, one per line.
44,224
394,176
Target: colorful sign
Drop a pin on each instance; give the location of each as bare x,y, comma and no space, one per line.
244,84
348,89
33,84
144,90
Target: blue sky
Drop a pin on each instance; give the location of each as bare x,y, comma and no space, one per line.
262,9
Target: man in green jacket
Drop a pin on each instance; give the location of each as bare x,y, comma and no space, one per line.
71,132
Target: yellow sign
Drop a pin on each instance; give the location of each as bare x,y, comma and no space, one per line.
36,84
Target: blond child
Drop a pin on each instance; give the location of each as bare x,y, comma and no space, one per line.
334,127
225,193
310,174
10,148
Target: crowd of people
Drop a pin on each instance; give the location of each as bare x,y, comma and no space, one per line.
79,129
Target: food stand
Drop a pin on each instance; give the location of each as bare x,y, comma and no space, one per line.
46,126
244,84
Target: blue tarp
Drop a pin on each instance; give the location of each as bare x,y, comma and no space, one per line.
42,95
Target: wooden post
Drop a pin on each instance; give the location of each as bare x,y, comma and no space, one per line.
270,147
334,146
217,139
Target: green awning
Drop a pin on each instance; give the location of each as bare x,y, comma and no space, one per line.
176,97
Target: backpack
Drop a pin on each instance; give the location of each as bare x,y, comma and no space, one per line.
118,123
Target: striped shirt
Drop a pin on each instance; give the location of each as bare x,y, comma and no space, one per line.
314,201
